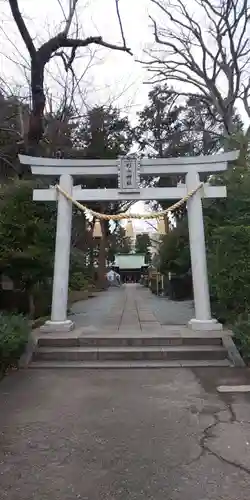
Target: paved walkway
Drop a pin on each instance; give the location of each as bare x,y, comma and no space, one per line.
131,307
124,435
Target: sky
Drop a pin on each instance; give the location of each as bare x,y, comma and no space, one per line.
114,76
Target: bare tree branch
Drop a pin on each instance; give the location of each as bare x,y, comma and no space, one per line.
213,58
62,9
59,42
72,9
120,21
41,56
246,97
73,84
22,27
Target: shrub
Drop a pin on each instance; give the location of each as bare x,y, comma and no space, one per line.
14,333
181,287
27,234
79,275
18,301
78,281
229,270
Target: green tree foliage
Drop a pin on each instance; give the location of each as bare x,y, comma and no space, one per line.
160,133
14,335
169,129
124,245
174,251
142,245
202,130
27,237
104,133
160,127
229,269
119,243
227,231
235,208
227,223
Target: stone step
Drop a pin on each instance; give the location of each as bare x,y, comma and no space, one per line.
222,363
123,340
142,353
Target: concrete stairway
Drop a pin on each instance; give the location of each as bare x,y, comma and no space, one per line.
128,350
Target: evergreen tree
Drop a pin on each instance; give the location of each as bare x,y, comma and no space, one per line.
119,243
104,133
142,245
160,128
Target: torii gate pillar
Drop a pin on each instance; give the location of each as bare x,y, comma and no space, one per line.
203,319
59,321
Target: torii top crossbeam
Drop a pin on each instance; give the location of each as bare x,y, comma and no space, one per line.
103,168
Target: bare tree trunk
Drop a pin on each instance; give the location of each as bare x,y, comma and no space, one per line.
166,223
36,128
31,304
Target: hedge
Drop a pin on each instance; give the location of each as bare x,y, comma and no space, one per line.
229,270
14,334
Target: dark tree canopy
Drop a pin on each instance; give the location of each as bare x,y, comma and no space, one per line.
142,245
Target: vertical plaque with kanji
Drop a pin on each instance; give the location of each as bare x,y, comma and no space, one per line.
128,174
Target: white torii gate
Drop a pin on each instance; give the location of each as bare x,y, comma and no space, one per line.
129,171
